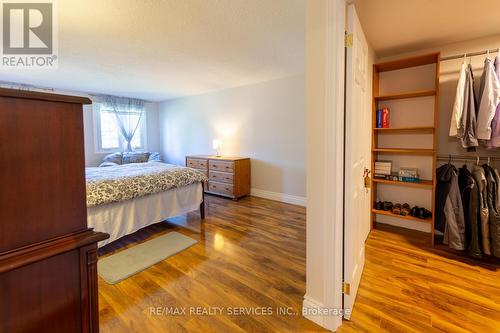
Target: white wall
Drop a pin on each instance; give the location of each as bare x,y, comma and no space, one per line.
265,121
94,158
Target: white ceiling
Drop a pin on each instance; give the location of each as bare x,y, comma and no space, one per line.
158,50
400,26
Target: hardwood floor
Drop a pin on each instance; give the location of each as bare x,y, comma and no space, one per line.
251,254
409,286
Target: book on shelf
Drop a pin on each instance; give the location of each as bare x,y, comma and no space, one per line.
379,118
385,118
409,179
383,167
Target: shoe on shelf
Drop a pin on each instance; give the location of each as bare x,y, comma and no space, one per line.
405,209
396,209
387,205
379,205
415,211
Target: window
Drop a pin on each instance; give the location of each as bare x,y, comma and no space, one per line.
108,135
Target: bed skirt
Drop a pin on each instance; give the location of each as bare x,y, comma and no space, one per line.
122,218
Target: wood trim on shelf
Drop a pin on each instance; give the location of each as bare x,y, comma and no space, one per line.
426,59
404,151
406,95
407,217
423,183
382,130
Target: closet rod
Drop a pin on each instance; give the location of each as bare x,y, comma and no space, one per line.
472,54
465,158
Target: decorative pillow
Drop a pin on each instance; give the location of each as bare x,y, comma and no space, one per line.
135,157
155,157
113,158
108,164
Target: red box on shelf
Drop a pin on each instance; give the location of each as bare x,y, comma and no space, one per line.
385,118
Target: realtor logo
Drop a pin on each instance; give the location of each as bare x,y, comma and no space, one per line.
29,34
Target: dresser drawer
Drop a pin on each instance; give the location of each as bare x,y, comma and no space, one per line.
221,166
220,188
221,177
196,163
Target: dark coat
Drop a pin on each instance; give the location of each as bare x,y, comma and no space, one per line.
449,209
494,215
470,194
444,175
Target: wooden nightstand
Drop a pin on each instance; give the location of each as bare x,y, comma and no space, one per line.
228,176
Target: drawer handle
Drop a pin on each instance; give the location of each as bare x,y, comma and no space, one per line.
227,188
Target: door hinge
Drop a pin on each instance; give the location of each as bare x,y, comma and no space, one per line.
348,40
346,288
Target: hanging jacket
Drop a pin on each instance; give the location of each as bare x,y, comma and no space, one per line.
480,178
467,132
470,198
495,123
449,217
456,115
454,232
489,97
492,186
444,175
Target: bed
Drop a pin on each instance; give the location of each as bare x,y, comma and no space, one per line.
122,199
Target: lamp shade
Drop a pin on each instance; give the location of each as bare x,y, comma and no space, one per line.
216,144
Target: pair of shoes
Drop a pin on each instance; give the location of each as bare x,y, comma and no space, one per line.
396,209
414,211
405,209
424,213
387,205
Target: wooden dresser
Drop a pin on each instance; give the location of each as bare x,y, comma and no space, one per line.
48,255
227,176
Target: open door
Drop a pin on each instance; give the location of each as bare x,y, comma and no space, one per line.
358,122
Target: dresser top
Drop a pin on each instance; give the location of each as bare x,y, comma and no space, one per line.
42,96
221,158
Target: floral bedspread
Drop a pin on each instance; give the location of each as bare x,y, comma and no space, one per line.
123,182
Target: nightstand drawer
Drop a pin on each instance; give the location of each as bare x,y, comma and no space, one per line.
220,188
222,177
196,163
221,166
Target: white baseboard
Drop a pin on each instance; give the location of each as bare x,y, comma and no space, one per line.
287,198
309,306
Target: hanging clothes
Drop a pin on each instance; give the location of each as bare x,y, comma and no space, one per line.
489,97
470,199
456,116
444,175
494,142
451,213
492,189
467,131
480,178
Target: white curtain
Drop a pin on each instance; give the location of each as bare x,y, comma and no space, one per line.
128,112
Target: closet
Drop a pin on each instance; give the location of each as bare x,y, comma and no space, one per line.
408,175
